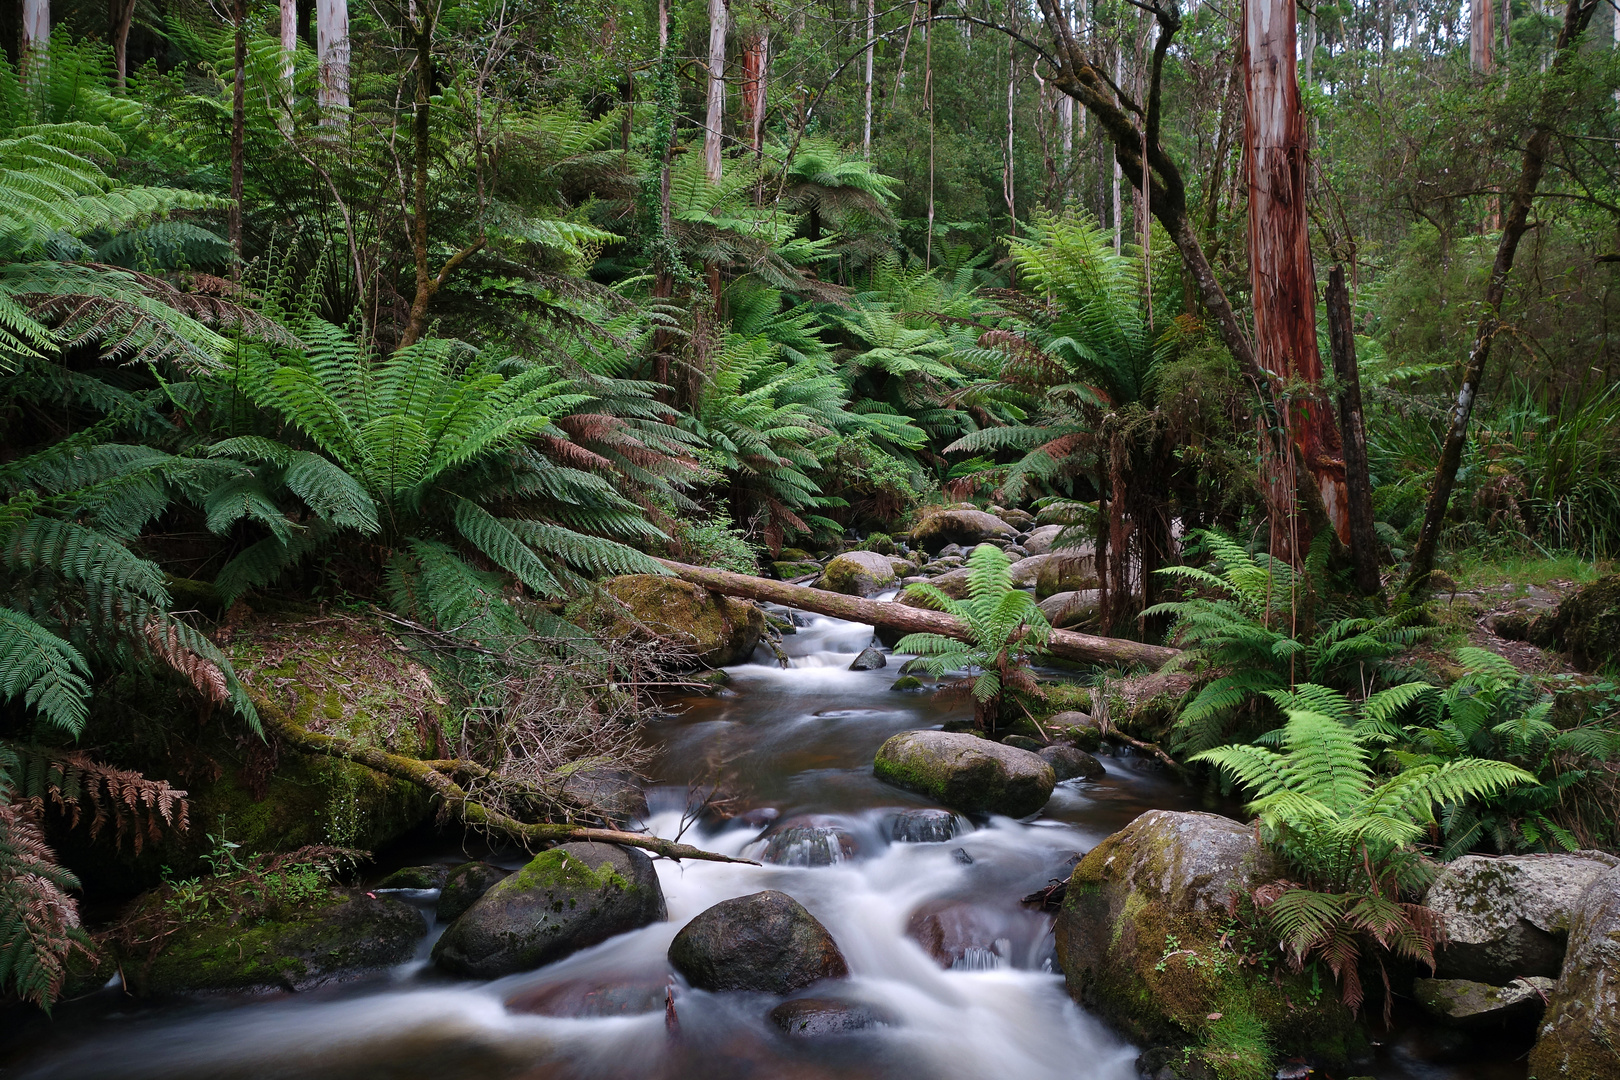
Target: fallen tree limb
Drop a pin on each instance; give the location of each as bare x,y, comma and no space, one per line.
1063,643
455,797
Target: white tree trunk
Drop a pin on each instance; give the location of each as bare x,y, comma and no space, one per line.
871,54
332,45
715,120
36,28
289,50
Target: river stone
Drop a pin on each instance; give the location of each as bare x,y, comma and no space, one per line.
342,936
1066,609
858,573
801,844
953,583
1580,1032
813,1017
966,772
870,659
1587,625
566,899
430,876
1467,1004
1018,519
765,942
957,933
464,886
965,528
1076,726
1161,886
709,630
1507,917
1041,539
1069,762
1070,570
1023,573
923,827
629,996
908,684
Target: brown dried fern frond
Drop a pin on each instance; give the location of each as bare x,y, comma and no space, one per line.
163,638
71,781
39,922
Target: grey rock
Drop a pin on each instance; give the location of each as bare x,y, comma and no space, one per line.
1070,762
923,827
966,772
1507,917
1580,1032
765,942
1024,572
416,877
870,659
960,527
815,1017
1040,540
802,844
1066,609
951,551
1069,570
464,885
1469,1004
857,573
1023,742
564,900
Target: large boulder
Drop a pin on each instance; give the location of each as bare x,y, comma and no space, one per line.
1066,609
1587,625
765,942
566,899
708,630
1041,539
809,1018
858,573
1509,917
464,885
966,772
1474,1005
1069,762
338,936
1140,940
1580,1031
1070,570
966,528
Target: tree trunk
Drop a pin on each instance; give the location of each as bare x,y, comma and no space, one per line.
123,14
332,47
1554,101
1481,35
238,126
1280,268
871,57
1063,643
36,31
289,48
715,119
1358,481
755,68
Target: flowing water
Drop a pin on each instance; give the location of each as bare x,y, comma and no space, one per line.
788,749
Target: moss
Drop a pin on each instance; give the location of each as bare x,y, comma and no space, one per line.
555,869
908,683
787,571
1588,624
791,554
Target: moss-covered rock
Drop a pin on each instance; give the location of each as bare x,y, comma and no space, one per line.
1069,570
790,571
564,900
792,554
1580,1031
1139,939
464,885
858,573
966,772
1081,607
709,630
1147,705
344,935
908,684
1467,1004
957,526
419,878
1587,625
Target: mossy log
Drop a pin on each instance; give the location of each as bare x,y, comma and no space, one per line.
435,777
1063,643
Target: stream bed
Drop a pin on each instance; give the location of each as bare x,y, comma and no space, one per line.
786,747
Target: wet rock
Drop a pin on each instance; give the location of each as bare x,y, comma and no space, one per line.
965,772
764,942
707,629
1076,727
802,844
464,885
1508,917
582,998
564,900
1023,742
1071,762
1018,519
1580,1032
923,827
965,528
957,933
1076,608
951,551
607,794
814,1017
792,571
1069,570
1478,1005
858,573
341,936
1587,625
1159,886
870,659
416,877
908,684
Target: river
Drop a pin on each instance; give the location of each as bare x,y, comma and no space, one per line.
783,746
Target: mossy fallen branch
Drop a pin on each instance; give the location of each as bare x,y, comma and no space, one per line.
471,812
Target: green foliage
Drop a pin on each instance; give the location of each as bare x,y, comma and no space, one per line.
1006,631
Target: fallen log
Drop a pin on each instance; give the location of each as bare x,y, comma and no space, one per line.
1063,643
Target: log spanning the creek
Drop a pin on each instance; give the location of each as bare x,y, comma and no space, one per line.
1067,644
